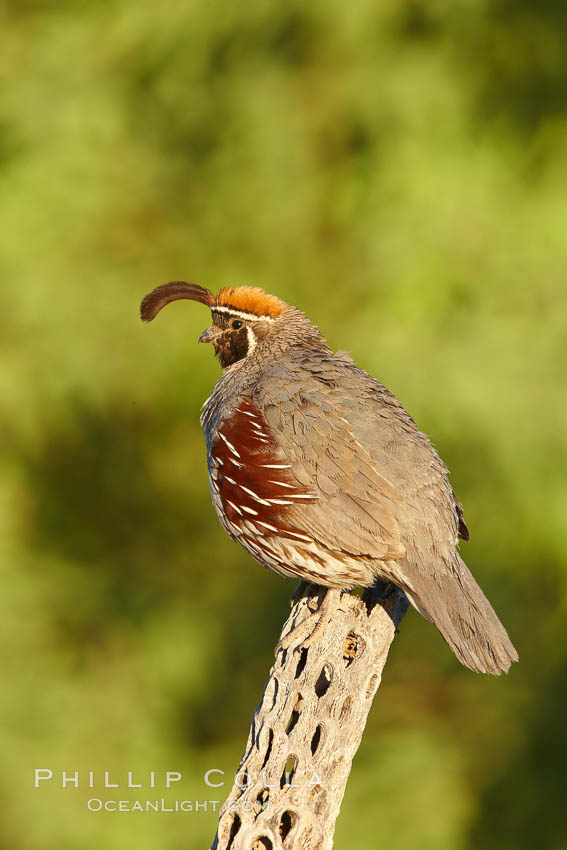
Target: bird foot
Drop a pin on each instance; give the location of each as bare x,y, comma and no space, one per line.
298,592
385,591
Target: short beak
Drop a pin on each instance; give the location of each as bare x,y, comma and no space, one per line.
211,334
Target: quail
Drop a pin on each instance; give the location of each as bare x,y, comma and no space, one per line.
318,471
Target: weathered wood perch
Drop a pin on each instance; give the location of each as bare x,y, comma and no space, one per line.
308,726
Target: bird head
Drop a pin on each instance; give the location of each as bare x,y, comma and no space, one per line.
245,319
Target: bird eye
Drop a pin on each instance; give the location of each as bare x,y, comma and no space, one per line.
236,324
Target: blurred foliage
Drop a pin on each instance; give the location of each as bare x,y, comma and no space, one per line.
398,171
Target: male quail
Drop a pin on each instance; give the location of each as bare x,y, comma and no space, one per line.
319,472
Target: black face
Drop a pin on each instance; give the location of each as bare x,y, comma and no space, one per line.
232,344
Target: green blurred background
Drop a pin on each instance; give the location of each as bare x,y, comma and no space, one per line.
399,171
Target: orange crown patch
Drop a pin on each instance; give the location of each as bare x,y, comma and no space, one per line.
251,299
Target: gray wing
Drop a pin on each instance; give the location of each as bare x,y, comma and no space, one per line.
354,509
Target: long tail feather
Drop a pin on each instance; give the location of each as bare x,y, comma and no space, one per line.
466,619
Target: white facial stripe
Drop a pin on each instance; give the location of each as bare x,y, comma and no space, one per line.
241,314
251,340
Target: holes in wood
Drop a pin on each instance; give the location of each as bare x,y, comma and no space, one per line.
324,680
354,647
271,694
236,824
263,843
262,798
289,770
371,687
319,801
294,717
287,822
269,747
345,710
301,663
316,739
